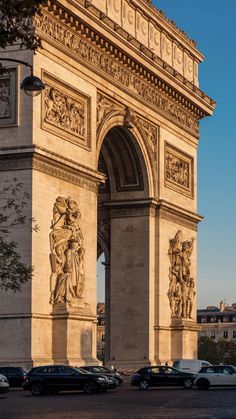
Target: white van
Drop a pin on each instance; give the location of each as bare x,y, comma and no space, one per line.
190,365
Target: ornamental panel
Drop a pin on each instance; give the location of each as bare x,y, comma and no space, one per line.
178,171
9,98
66,112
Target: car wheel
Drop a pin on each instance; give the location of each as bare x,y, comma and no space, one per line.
37,389
90,387
144,385
203,384
188,383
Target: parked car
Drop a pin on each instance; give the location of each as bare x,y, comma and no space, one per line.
4,385
55,378
216,375
190,365
161,376
112,382
96,369
15,375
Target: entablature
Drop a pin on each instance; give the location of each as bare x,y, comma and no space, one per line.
145,80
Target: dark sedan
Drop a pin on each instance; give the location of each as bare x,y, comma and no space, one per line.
161,376
96,369
55,378
15,375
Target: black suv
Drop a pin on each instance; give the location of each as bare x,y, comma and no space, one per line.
15,375
161,376
96,369
55,378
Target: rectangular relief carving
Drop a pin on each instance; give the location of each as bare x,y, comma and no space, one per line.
179,174
66,112
9,98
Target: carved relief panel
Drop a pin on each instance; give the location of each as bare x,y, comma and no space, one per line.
9,98
181,291
67,278
178,171
66,112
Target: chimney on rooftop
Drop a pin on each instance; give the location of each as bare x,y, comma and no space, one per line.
222,305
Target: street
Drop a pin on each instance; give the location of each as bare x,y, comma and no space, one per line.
124,402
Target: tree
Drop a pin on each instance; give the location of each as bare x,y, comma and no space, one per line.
16,23
221,352
207,349
13,202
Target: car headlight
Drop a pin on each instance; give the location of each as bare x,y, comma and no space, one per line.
102,379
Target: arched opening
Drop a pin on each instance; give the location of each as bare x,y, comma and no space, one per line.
123,227
101,338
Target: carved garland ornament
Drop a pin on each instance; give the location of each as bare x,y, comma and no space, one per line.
93,56
67,254
181,291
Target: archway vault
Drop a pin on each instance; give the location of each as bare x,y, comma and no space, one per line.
128,124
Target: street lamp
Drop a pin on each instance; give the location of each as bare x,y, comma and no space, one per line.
31,85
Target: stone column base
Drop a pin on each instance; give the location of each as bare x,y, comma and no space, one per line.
184,338
73,335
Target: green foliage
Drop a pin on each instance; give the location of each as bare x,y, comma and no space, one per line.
13,272
222,351
207,349
13,202
16,23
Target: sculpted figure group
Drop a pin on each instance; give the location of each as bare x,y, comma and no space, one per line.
67,253
181,291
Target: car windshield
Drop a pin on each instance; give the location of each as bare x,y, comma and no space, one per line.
101,369
233,368
81,371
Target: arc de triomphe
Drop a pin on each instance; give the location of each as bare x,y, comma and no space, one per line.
109,155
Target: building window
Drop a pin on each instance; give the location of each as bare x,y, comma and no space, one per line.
213,335
234,319
225,319
213,319
225,334
234,334
203,320
103,338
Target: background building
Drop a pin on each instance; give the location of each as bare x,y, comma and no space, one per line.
218,322
101,331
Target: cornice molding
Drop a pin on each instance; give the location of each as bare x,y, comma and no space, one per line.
89,47
177,215
46,162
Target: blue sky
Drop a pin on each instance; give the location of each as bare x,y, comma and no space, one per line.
212,24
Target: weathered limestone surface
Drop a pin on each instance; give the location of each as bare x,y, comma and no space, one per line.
116,130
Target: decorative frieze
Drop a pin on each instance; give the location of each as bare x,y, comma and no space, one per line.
147,87
179,174
66,112
9,98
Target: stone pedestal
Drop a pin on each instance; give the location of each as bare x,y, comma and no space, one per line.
183,338
73,335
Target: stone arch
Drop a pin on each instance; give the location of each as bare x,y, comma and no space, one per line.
116,119
103,239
